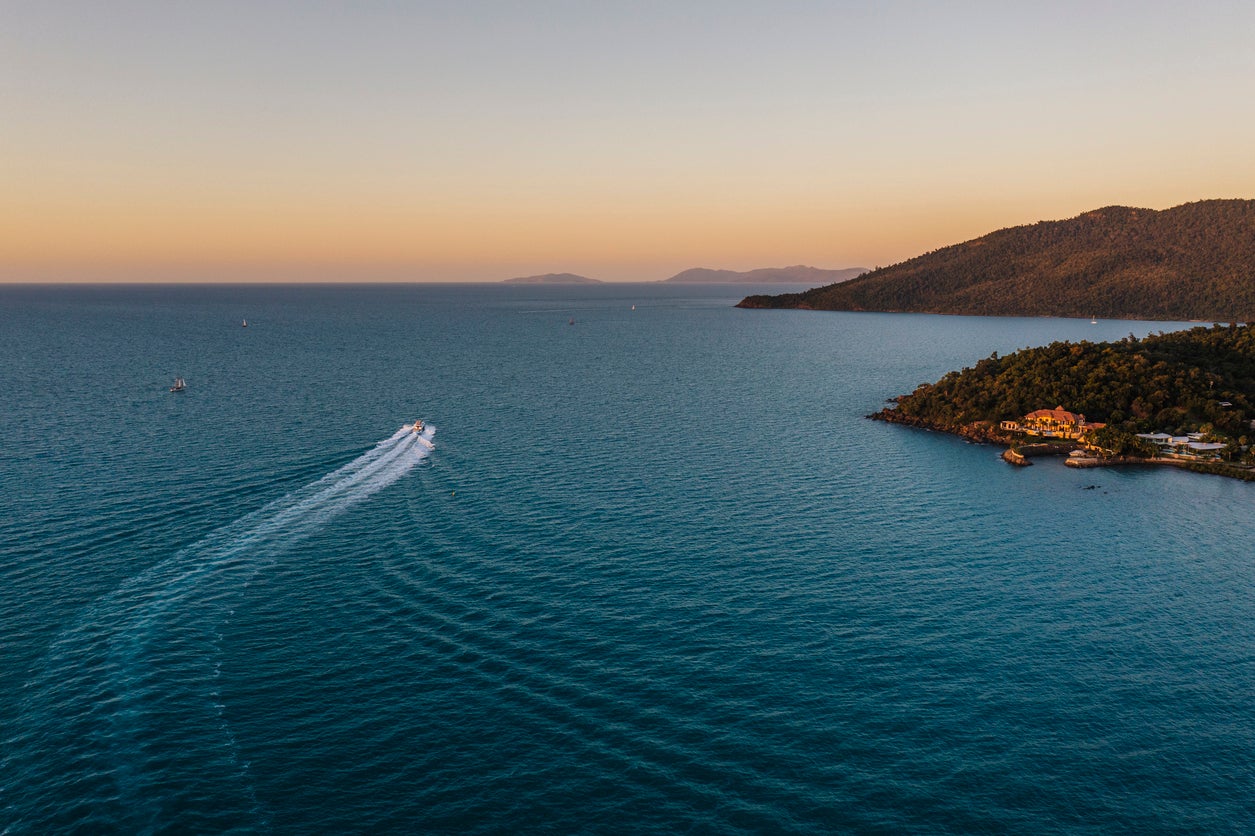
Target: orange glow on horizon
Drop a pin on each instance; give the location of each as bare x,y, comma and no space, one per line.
488,244
616,142
301,236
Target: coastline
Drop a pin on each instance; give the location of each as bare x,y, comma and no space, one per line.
982,433
755,302
1021,455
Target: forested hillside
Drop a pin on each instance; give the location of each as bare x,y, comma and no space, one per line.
1200,379
1195,261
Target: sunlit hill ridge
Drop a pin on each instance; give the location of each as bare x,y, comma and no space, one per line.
1195,261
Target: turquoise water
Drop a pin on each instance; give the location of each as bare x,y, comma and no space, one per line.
658,574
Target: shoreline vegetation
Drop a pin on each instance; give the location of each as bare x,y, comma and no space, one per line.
1184,399
1022,455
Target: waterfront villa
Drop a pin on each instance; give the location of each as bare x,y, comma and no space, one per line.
1052,423
1188,446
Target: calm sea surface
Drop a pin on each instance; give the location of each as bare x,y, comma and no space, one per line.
659,574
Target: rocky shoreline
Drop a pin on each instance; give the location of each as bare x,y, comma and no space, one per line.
1021,455
981,432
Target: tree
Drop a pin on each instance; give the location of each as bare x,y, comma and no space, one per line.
1111,441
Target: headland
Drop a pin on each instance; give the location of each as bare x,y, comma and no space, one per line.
1190,262
1183,399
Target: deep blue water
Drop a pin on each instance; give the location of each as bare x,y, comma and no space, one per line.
659,574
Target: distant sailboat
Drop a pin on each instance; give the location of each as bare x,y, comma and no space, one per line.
179,385
1093,321
245,325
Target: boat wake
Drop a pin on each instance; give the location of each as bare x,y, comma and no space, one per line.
127,709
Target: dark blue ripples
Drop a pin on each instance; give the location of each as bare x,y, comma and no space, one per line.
660,575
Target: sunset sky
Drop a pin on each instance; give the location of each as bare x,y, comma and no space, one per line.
477,140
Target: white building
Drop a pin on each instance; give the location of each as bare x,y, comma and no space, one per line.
1184,445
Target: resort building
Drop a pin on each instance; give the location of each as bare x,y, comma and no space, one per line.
1052,423
1188,446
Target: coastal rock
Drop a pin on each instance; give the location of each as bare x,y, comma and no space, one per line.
1015,457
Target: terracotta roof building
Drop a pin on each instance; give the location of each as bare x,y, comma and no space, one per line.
1053,423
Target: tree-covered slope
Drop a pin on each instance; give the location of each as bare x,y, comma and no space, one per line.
1195,261
1200,379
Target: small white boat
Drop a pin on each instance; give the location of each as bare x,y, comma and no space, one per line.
179,385
245,325
424,440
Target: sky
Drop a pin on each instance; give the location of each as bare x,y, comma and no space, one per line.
479,140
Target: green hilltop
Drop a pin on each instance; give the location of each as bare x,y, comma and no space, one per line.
1202,379
1195,261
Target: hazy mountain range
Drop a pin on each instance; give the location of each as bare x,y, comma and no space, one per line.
798,274
1195,261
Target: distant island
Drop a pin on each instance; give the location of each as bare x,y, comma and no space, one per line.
1191,262
553,278
1186,398
798,274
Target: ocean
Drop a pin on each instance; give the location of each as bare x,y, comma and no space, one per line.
659,574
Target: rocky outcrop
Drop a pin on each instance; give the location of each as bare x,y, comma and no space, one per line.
1015,457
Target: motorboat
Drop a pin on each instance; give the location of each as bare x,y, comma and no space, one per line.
421,437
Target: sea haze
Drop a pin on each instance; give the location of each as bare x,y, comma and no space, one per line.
658,574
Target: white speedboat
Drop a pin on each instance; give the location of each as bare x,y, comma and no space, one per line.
423,437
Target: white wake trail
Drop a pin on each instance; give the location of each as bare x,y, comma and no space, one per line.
148,652
281,524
